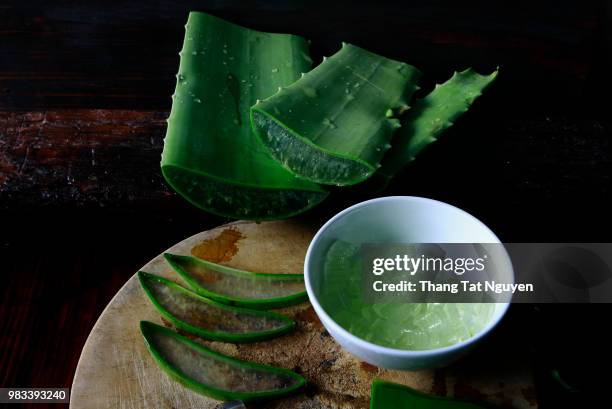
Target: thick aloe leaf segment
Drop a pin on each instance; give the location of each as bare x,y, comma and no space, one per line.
334,125
211,157
209,319
239,287
213,374
431,116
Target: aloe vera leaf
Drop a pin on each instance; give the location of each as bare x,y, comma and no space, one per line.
387,395
431,116
334,125
211,157
210,319
214,374
239,287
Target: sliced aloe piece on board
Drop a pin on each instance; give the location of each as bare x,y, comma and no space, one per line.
334,125
214,374
209,319
239,287
431,116
387,395
211,157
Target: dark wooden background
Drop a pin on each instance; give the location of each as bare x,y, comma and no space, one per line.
84,91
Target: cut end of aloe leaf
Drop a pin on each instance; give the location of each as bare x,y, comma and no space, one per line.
214,374
211,156
304,158
334,124
209,319
238,201
239,287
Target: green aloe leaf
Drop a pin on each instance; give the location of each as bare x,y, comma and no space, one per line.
211,157
334,125
431,116
209,319
239,287
387,395
214,374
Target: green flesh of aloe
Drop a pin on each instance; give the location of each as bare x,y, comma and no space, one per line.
431,116
238,287
401,325
213,374
211,157
209,319
334,125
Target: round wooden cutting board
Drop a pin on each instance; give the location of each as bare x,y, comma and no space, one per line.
116,371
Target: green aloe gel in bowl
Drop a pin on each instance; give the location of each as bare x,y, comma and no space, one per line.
398,331
412,326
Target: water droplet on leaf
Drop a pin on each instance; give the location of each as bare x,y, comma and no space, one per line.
310,92
329,123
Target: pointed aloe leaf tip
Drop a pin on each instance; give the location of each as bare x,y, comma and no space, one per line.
431,116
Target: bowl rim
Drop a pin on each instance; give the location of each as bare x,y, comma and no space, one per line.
379,349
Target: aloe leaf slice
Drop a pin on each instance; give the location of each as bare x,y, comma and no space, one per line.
211,157
239,287
214,374
387,395
334,125
431,116
209,319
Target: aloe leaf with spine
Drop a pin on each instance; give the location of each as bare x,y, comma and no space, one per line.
239,287
334,124
431,116
213,374
211,156
209,319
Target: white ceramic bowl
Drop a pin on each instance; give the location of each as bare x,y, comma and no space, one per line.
399,219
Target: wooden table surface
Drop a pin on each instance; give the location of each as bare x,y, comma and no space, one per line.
84,91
